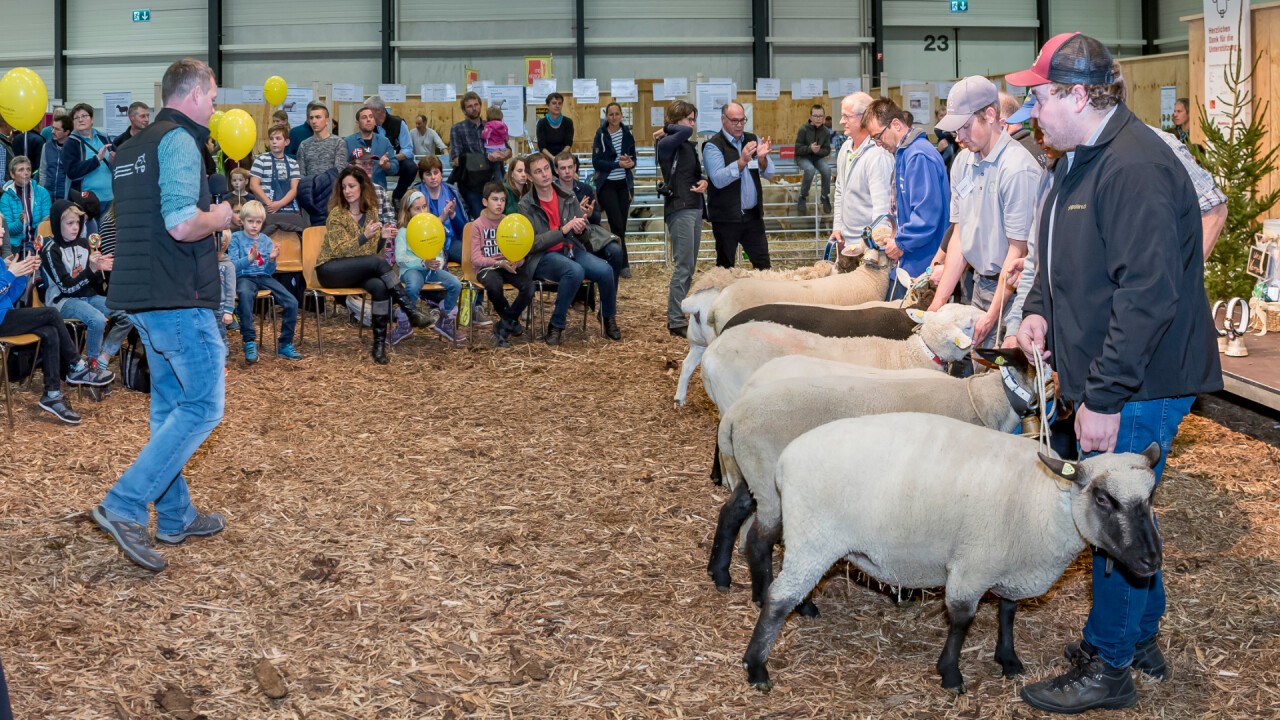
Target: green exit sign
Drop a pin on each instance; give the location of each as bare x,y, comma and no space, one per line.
145,15
959,6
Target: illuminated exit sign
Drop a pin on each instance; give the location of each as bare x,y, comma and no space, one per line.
959,6
145,15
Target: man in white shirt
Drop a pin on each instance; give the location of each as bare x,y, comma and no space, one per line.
864,176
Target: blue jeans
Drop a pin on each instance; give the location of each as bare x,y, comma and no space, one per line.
247,287
1127,611
615,256
93,312
809,167
569,273
414,279
187,357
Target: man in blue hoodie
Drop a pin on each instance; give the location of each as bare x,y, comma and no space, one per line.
921,192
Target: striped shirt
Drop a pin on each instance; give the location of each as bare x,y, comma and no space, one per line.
618,173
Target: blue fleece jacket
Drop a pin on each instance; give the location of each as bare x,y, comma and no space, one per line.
454,226
923,197
238,253
11,289
379,145
12,207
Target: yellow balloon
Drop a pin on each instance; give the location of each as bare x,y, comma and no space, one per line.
275,89
23,98
515,237
214,120
425,235
237,134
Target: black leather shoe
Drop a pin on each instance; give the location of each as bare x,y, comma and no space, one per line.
1090,685
611,330
554,335
682,331
1146,657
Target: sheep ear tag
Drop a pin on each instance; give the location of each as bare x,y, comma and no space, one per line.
1063,469
962,341
916,315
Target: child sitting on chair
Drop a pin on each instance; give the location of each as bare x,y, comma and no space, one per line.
254,257
416,272
493,270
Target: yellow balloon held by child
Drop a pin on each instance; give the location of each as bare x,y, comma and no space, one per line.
23,98
214,121
237,134
274,90
425,235
515,237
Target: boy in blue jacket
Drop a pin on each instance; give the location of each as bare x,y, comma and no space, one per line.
254,256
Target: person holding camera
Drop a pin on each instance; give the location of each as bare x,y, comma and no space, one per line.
682,189
736,160
88,155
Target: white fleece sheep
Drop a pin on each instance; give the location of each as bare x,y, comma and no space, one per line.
794,394
943,336
923,501
702,295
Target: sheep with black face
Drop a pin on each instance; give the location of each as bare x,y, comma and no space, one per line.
970,509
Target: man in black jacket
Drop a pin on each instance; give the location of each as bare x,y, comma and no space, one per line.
1119,307
166,278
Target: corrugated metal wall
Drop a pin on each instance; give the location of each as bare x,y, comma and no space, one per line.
1116,24
660,38
317,41
28,39
1172,33
925,41
811,36
108,52
439,39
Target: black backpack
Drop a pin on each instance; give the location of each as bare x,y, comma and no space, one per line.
134,371
22,362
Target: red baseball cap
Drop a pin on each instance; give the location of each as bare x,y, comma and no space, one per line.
1068,58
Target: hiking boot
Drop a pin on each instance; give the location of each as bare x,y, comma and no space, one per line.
625,272
554,335
514,328
203,526
87,374
500,332
826,207
446,327
131,537
611,330
802,208
480,318
289,352
59,407
401,330
251,352
1091,684
1146,657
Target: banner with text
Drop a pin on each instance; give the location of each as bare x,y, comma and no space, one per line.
1226,37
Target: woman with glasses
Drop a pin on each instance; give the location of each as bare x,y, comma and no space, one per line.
87,156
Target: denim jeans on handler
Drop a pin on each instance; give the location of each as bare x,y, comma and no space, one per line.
1126,610
569,273
187,357
414,279
247,288
93,312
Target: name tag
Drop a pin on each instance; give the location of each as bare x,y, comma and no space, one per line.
964,187
753,165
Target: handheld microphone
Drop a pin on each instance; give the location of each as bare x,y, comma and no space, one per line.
218,187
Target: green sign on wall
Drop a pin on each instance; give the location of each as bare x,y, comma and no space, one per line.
145,15
959,6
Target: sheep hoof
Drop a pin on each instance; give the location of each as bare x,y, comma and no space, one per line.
763,686
807,609
1010,668
957,689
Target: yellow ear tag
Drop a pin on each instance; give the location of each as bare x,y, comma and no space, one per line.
1068,469
1000,360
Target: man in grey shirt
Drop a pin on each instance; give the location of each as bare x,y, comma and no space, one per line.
864,175
993,199
323,150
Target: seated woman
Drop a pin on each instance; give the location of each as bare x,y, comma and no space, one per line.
558,253
56,345
416,271
76,284
25,204
351,254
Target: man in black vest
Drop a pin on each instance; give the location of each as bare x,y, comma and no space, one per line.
397,131
166,278
735,207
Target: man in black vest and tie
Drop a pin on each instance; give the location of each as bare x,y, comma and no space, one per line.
735,161
166,278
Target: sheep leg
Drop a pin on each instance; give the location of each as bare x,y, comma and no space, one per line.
760,542
794,582
686,370
733,513
1010,665
948,666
